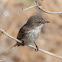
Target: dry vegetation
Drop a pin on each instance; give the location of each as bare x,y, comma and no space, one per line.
12,18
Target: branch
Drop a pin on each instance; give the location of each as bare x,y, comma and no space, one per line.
40,7
60,57
30,7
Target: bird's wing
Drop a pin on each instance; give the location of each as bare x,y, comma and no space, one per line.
22,32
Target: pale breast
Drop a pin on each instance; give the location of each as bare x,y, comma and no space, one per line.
33,35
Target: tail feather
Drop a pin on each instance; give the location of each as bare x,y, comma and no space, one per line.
17,44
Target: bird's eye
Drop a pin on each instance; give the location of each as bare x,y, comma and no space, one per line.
39,22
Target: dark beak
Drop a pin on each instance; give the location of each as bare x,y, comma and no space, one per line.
45,22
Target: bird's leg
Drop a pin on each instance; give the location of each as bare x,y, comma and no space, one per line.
22,43
36,47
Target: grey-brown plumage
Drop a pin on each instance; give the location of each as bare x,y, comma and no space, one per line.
30,31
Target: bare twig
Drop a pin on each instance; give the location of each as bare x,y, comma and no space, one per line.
30,7
40,7
60,57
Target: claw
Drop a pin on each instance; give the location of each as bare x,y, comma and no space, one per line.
37,49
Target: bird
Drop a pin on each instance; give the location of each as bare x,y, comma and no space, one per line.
30,31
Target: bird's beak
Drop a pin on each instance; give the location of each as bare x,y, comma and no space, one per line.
45,22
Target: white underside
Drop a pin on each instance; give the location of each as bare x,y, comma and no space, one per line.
34,33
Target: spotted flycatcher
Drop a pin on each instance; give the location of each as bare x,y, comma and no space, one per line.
30,31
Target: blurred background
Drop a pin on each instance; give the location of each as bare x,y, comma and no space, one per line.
13,17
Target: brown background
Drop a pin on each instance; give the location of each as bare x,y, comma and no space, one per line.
12,18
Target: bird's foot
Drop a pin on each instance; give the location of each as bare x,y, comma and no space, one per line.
22,43
37,49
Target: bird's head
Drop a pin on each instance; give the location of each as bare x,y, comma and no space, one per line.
36,21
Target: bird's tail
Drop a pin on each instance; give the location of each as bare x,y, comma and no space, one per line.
17,44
